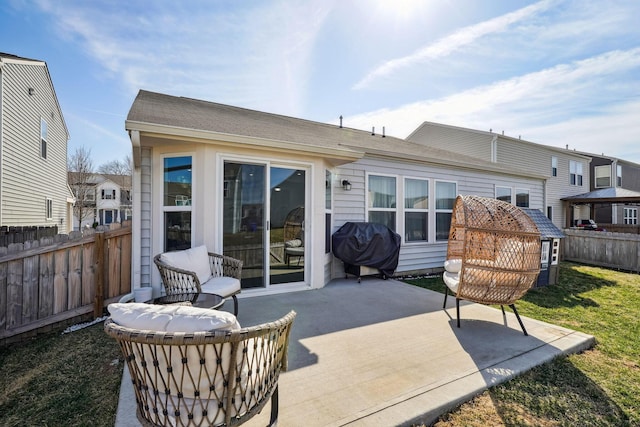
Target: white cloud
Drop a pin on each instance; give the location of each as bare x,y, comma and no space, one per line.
454,42
550,104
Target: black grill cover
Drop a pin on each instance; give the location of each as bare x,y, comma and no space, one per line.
367,244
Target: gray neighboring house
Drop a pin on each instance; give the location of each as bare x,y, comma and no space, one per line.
566,172
33,137
105,198
223,176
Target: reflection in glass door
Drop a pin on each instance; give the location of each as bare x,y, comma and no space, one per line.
244,221
287,242
269,241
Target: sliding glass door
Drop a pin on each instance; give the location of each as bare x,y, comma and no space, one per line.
263,222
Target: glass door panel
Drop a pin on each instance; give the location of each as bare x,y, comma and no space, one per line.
244,220
287,240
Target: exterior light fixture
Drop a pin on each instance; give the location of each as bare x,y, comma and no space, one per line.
32,91
346,185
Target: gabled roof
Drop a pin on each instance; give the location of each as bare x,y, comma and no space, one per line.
545,226
161,114
604,195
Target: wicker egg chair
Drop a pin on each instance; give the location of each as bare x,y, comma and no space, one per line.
493,253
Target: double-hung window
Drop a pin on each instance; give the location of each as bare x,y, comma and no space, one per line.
43,138
178,190
382,200
631,216
522,197
446,193
554,166
602,176
503,193
619,175
48,207
416,210
575,173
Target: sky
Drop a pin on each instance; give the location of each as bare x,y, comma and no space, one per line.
564,73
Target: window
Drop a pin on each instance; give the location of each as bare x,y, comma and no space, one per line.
328,186
48,208
575,173
416,210
89,195
445,197
631,216
382,200
43,138
603,176
554,166
504,194
177,202
550,212
108,194
618,175
522,198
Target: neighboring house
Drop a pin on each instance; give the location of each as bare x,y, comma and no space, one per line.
614,188
207,173
33,137
566,172
105,198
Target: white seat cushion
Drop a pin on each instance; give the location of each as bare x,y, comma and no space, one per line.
223,286
452,280
194,259
171,318
453,265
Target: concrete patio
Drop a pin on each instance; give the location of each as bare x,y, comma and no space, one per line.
384,353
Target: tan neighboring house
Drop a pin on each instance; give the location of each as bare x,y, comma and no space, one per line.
33,137
566,172
236,179
105,199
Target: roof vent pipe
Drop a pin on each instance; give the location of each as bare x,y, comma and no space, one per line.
340,121
373,130
383,132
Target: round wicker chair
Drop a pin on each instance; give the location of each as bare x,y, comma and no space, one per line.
214,378
493,253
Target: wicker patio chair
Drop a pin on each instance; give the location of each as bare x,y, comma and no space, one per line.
224,278
214,378
493,253
293,234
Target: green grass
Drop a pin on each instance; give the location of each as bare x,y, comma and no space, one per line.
74,379
599,387
61,380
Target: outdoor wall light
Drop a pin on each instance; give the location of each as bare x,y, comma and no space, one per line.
31,91
346,185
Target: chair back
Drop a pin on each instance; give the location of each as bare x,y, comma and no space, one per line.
499,245
204,378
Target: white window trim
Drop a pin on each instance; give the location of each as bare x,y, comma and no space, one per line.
595,177
554,166
404,210
495,192
399,225
48,208
523,190
44,138
437,211
160,225
581,174
630,216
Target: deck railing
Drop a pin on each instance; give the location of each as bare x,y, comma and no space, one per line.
62,278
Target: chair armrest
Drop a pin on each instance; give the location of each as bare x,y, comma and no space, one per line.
222,265
177,280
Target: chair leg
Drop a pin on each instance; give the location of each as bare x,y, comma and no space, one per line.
235,305
274,407
502,307
458,310
446,292
513,307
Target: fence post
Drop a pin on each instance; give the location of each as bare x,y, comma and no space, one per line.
98,306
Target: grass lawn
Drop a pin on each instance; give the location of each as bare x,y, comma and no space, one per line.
599,387
74,379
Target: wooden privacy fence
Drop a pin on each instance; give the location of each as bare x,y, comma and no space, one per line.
57,279
606,249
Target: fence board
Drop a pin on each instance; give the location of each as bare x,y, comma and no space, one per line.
113,265
125,256
30,289
60,283
88,273
75,277
14,294
606,249
3,296
46,285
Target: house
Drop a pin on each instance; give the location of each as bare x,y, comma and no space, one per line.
614,192
251,184
566,172
102,199
33,137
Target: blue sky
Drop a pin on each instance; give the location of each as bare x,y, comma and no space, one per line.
555,72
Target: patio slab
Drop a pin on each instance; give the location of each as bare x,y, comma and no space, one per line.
384,353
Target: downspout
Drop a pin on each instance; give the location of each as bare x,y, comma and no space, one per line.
136,221
494,149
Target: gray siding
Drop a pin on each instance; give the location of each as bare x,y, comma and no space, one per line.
350,205
463,141
27,178
145,217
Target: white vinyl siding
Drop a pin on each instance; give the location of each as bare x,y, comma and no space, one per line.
28,178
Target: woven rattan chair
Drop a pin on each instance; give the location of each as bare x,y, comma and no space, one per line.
179,281
215,378
493,253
